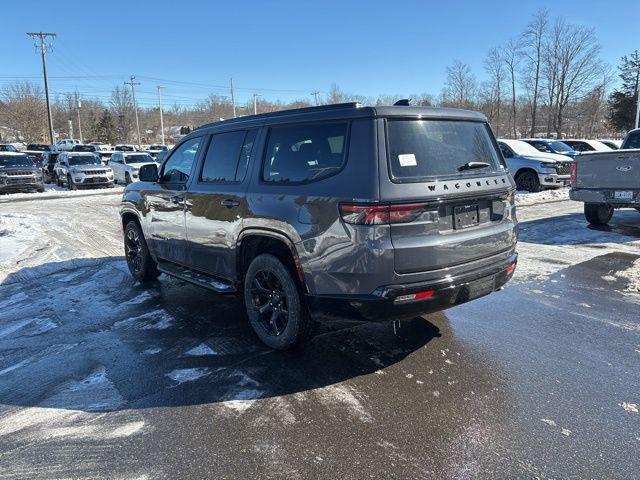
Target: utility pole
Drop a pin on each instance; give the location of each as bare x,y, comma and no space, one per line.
160,87
78,105
42,36
233,100
255,103
315,94
133,83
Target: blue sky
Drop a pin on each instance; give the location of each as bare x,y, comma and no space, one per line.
281,49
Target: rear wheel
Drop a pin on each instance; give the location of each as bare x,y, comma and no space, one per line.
274,304
139,260
597,213
528,181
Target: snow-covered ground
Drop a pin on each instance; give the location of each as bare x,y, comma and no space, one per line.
545,196
53,191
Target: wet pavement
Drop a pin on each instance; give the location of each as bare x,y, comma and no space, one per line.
100,377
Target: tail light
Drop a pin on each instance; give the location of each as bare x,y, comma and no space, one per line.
574,172
376,214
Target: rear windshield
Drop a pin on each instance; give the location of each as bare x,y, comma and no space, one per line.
423,149
633,140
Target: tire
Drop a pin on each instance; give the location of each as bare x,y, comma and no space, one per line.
71,185
139,260
41,190
528,181
598,214
269,286
56,180
127,178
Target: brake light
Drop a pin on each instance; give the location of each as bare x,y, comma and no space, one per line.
574,172
412,297
359,214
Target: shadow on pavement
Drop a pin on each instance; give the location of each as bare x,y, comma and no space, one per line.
572,229
82,335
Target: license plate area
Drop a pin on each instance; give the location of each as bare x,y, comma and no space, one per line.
481,287
623,195
465,216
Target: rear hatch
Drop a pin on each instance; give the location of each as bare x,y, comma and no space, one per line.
616,170
451,183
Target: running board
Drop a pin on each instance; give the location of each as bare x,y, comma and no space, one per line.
197,278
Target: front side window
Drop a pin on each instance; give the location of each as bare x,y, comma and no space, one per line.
506,153
633,141
178,167
227,156
305,153
423,149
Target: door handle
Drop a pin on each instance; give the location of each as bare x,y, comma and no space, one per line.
229,203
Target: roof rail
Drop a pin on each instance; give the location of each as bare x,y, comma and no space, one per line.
317,108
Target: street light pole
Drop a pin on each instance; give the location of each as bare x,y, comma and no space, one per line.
78,105
160,87
135,106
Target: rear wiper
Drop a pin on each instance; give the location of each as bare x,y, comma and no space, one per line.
470,165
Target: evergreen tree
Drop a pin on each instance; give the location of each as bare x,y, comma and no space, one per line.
105,129
622,101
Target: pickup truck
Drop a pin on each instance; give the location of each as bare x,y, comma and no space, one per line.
605,181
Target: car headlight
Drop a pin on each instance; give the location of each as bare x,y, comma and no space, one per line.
547,165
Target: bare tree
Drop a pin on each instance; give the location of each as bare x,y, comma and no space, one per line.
24,109
494,67
460,86
511,56
533,49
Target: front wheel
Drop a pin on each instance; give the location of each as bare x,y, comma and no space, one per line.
528,181
71,185
274,304
127,178
139,260
598,214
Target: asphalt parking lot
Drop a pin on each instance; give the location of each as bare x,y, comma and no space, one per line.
100,377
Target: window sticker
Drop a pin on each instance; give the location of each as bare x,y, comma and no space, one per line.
407,160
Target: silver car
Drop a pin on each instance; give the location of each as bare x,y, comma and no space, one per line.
81,169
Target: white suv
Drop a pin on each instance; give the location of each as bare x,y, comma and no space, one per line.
67,144
125,165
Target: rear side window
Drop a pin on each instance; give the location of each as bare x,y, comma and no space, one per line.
633,141
423,149
228,156
305,153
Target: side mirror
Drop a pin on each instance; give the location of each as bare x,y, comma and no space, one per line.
148,173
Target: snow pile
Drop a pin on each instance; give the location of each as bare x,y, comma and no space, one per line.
53,191
631,276
16,232
525,198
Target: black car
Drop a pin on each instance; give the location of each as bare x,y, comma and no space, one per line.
18,173
377,212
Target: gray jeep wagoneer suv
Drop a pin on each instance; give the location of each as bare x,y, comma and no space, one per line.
383,212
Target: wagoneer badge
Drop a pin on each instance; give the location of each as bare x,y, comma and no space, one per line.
624,168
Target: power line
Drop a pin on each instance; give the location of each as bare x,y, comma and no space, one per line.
42,36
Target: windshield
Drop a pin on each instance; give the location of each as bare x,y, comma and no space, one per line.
40,148
15,161
8,148
83,160
560,147
420,149
521,148
138,158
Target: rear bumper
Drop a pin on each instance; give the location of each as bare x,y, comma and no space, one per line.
394,301
604,196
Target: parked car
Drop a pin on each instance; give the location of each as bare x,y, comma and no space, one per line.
67,144
612,144
310,210
18,173
581,146
533,170
126,165
155,150
124,148
102,147
82,169
7,147
550,146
